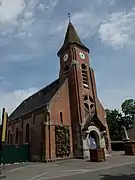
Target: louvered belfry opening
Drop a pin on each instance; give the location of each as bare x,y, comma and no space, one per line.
84,75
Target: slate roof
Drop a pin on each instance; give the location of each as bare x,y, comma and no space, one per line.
39,99
71,38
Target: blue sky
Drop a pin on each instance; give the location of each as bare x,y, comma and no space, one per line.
32,31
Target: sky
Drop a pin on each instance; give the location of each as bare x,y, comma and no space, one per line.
32,32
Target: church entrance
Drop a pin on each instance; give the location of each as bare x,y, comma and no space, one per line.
94,141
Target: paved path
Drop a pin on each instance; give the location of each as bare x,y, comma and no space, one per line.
75,169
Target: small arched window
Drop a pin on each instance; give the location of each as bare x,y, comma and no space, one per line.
66,68
27,133
17,136
84,75
61,117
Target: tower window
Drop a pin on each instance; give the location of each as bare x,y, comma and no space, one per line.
84,75
66,70
61,117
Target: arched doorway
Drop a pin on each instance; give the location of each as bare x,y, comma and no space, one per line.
94,140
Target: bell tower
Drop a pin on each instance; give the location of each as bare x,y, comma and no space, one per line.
74,65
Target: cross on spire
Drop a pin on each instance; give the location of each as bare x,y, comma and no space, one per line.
69,17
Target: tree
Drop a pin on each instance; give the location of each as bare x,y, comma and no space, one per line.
115,122
128,108
114,119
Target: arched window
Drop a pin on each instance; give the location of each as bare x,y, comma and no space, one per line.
61,117
17,136
84,75
9,134
27,133
66,70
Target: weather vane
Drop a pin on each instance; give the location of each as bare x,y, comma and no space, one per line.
69,17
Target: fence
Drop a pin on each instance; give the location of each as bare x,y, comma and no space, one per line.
11,154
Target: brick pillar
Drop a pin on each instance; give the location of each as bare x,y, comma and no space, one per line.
46,144
31,142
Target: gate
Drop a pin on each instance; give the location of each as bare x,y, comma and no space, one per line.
11,154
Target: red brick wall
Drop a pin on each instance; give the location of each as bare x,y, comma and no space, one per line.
37,134
35,121
59,103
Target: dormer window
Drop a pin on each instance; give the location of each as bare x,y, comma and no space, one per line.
84,76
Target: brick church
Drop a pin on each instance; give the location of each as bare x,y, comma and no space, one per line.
65,118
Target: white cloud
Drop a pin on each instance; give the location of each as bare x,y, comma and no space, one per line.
17,16
10,100
10,10
118,29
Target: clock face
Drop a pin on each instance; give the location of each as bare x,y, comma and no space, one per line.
82,56
65,58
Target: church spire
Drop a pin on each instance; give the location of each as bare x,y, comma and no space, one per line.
71,37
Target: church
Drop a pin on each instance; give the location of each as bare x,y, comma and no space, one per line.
65,117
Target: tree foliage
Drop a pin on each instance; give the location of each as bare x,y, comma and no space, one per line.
128,108
116,119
